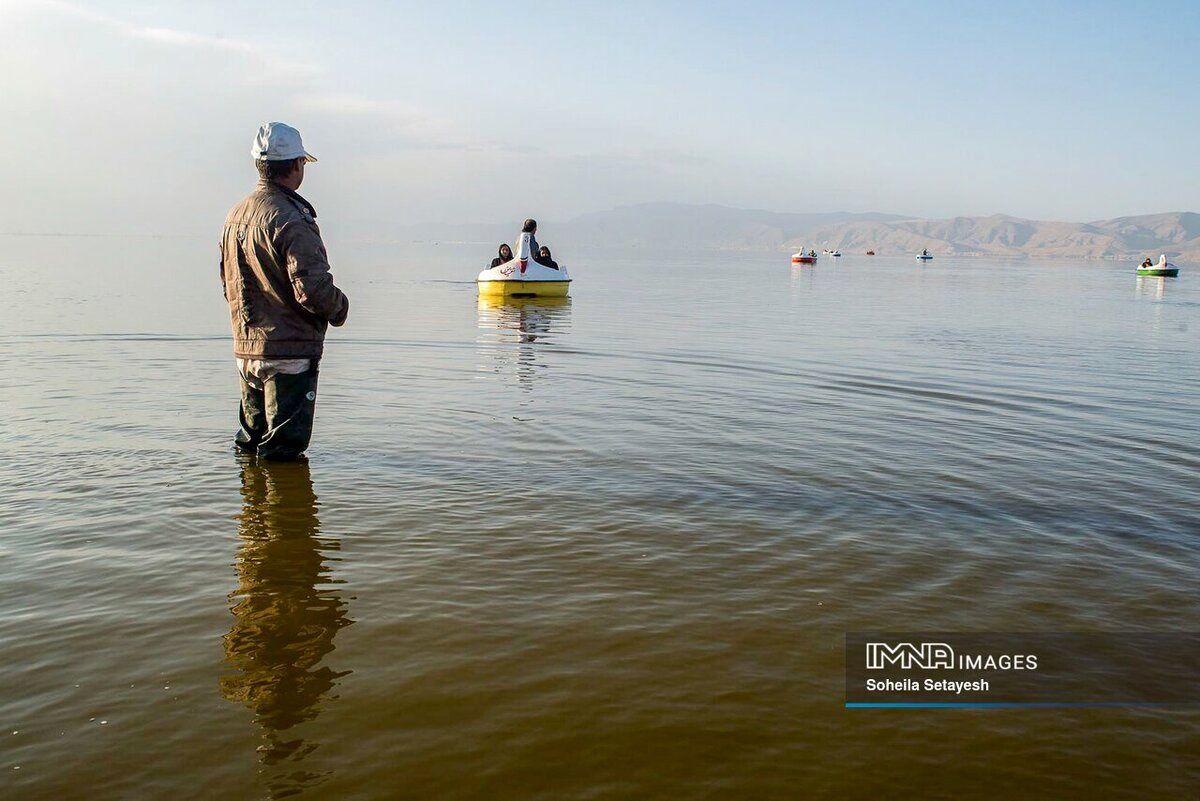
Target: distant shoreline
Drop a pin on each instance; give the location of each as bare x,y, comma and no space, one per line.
781,249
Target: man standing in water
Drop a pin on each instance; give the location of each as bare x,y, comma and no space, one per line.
281,297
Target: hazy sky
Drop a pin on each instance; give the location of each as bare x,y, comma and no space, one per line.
138,116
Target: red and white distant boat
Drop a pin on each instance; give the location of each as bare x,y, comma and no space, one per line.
801,257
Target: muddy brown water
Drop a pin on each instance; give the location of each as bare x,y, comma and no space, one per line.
606,548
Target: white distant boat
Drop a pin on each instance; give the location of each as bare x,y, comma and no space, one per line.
837,254
924,255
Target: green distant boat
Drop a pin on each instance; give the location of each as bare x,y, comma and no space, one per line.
1163,268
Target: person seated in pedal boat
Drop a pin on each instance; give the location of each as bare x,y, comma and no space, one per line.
530,227
545,259
504,254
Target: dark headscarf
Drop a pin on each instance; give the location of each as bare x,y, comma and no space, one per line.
545,258
500,257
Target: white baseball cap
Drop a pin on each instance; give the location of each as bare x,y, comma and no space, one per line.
277,141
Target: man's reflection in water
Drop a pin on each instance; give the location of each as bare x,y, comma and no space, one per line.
286,615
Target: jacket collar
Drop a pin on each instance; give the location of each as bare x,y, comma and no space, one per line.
294,196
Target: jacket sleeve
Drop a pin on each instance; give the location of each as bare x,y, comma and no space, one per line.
221,267
308,271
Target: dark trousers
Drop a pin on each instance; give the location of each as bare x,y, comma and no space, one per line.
277,419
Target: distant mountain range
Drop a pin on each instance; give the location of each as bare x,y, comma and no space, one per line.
676,226
1176,233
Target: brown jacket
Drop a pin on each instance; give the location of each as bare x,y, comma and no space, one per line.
276,277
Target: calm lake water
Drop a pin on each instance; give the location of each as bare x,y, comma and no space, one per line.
601,549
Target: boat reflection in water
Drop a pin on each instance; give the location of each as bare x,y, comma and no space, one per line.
286,615
505,321
1149,286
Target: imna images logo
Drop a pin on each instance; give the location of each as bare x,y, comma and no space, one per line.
907,656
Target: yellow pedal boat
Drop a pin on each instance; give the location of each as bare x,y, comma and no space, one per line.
522,277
